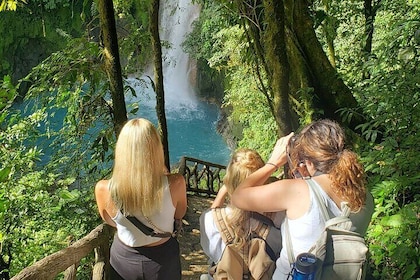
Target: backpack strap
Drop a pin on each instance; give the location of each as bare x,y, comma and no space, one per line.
318,197
341,221
227,234
219,217
264,226
266,219
290,255
147,230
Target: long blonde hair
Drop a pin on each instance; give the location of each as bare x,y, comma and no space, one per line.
323,143
242,164
136,183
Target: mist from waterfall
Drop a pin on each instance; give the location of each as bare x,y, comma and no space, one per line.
191,122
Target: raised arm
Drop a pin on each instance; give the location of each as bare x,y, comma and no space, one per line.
220,198
253,194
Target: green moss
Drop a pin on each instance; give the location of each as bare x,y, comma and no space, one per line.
32,33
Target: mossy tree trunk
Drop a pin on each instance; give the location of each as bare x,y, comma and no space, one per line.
330,91
158,77
112,63
278,65
266,34
285,45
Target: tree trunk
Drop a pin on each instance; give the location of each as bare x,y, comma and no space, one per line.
276,58
266,36
112,63
331,94
158,78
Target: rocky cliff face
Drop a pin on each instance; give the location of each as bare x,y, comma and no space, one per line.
230,132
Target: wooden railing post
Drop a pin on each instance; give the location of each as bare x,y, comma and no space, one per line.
70,273
101,267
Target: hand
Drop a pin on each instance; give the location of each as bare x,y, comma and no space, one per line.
278,156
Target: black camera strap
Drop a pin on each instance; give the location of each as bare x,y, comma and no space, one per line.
147,230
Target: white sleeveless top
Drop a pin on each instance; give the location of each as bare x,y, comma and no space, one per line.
163,219
304,231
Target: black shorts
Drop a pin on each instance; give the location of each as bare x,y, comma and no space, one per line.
161,262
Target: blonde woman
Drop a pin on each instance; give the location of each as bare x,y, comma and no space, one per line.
141,187
242,164
317,153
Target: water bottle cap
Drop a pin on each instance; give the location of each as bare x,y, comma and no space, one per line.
306,263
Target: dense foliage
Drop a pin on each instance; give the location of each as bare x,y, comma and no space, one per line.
45,204
392,97
385,81
56,142
40,210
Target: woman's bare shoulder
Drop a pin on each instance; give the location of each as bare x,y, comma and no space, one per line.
102,185
102,190
176,179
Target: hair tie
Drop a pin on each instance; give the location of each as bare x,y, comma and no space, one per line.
340,153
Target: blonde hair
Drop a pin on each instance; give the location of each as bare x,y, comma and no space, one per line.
242,164
323,143
136,183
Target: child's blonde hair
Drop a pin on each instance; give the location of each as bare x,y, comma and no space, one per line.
242,164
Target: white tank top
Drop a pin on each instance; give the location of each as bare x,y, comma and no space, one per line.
304,231
131,236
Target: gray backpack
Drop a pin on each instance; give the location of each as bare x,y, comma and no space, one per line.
341,253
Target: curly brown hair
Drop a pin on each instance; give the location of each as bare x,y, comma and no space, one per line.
323,143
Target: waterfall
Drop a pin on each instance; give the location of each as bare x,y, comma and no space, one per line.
191,122
179,70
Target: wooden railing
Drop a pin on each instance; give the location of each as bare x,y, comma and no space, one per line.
68,258
201,178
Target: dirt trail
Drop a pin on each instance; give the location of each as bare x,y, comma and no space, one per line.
193,259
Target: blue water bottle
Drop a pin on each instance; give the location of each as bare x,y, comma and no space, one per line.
305,267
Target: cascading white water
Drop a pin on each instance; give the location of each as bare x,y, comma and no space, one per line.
179,70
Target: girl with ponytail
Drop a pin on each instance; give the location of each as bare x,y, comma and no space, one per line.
242,163
317,153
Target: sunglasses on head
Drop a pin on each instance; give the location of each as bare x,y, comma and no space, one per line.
294,170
